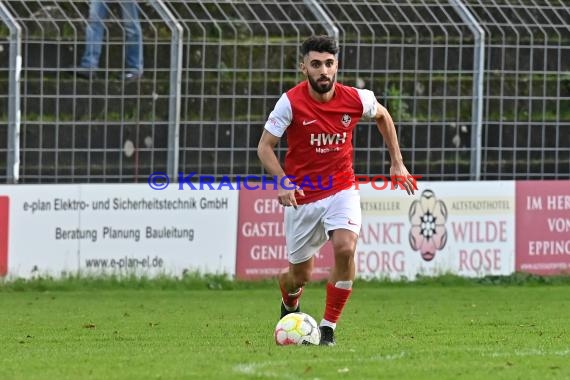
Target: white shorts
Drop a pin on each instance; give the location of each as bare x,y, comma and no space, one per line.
307,228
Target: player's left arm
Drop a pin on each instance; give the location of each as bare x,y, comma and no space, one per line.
387,129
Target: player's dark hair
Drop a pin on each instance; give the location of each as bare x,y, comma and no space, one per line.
321,44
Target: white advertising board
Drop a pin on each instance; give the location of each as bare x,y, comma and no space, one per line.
131,228
463,228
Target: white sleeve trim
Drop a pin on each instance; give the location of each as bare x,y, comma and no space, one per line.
368,103
280,118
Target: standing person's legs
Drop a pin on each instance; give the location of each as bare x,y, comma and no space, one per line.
133,37
94,34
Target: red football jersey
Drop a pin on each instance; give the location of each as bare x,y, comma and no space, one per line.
319,136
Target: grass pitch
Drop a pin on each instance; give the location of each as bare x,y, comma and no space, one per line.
386,332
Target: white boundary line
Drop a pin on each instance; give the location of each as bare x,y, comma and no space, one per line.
260,368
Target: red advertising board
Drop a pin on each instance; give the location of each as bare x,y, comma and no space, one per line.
4,233
261,249
543,227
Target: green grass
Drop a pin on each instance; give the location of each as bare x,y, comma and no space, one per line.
171,330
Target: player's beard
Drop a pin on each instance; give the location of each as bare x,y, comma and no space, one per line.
324,86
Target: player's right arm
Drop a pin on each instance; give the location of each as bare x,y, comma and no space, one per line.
266,154
279,120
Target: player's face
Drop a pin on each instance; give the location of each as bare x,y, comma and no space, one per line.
320,69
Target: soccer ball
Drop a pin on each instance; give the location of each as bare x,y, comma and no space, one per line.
297,329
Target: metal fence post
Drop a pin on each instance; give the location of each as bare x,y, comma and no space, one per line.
175,87
13,154
318,11
478,73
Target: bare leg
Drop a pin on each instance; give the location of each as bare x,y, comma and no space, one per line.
344,245
292,282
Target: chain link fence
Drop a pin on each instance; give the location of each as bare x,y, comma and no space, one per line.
478,89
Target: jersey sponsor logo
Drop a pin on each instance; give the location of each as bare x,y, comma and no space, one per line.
327,150
346,119
319,139
305,122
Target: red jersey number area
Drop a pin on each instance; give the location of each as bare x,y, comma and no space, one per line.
320,141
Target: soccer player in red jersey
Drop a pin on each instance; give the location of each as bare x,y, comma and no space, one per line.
317,185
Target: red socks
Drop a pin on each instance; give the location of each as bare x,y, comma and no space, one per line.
336,299
291,300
